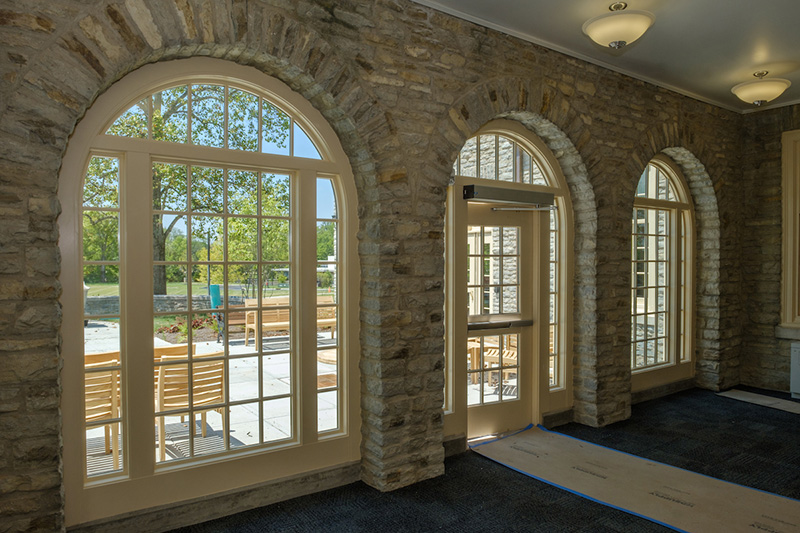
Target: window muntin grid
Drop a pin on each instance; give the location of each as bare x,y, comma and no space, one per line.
660,276
493,270
102,268
215,115
650,294
327,301
554,356
492,369
238,245
496,157
210,203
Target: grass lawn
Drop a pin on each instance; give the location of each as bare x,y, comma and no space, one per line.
112,289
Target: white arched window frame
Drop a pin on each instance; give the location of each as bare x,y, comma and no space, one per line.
662,277
544,176
142,479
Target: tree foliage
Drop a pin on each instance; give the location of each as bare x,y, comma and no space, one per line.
197,114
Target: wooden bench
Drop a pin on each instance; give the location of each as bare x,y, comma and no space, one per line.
275,315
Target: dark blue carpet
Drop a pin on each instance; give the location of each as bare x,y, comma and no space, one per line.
696,430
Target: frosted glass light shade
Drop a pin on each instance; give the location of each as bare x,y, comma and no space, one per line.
761,90
618,28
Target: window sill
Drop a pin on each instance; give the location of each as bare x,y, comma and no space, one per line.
788,331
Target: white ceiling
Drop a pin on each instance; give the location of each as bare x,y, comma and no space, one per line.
700,48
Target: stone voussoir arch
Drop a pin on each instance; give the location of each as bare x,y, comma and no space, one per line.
672,141
542,111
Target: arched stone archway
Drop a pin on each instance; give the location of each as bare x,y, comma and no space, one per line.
525,101
716,360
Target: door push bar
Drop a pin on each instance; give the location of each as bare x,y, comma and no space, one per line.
474,326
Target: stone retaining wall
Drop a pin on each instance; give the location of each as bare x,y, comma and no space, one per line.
109,305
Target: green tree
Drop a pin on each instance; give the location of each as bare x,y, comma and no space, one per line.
100,219
326,240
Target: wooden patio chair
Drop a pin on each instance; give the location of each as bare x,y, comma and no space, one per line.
101,396
208,389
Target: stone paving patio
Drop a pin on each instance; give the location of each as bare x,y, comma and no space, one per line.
246,421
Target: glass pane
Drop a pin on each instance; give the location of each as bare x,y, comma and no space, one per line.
133,122
509,389
510,269
170,115
474,270
207,235
243,379
510,300
275,239
491,392
242,239
241,188
242,120
207,186
326,199
176,247
505,159
491,240
277,419
176,297
172,437
473,388
101,335
537,174
326,325
468,158
276,374
510,240
275,191
327,370
173,383
101,290
100,236
209,434
326,241
275,322
474,302
208,115
326,283
169,187
104,442
524,159
276,280
244,425
488,157
101,183
303,146
274,130
327,411
242,285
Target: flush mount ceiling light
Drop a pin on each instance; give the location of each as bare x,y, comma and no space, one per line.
762,90
618,28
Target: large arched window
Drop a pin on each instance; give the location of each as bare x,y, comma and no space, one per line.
662,248
209,326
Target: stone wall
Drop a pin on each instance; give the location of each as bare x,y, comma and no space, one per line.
403,86
765,357
109,305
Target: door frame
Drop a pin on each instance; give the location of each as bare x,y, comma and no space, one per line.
456,419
